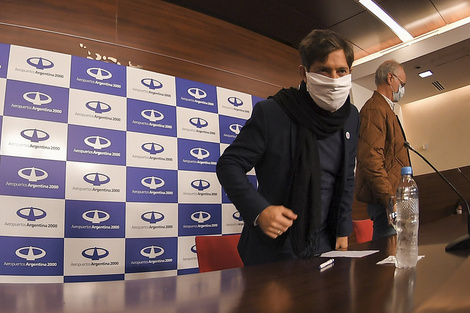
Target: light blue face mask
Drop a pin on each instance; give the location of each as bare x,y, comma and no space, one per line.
397,95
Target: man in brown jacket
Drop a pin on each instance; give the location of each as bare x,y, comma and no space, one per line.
381,152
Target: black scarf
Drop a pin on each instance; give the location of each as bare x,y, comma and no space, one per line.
304,196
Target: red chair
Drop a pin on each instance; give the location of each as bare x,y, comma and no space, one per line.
217,252
363,230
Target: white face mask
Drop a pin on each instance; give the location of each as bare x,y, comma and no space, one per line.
328,93
397,95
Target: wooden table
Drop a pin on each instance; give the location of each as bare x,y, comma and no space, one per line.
440,283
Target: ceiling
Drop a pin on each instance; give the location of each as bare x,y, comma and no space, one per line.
289,21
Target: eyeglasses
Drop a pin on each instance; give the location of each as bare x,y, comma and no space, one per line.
401,82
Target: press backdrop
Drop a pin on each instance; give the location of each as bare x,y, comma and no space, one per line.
107,172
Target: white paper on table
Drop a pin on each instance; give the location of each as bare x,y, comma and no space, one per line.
391,260
348,254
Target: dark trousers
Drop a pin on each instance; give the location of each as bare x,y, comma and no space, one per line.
378,214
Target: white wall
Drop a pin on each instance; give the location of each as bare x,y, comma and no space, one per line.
359,95
443,123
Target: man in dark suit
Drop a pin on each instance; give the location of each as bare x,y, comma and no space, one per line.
302,144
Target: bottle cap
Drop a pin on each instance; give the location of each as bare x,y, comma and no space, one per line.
406,170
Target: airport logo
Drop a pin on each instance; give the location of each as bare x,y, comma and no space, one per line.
39,257
152,115
200,217
230,127
236,102
31,214
37,98
96,179
96,216
32,174
193,249
151,221
198,122
196,155
151,83
197,93
152,217
94,145
95,253
36,101
151,118
97,142
199,153
94,219
200,184
30,253
152,182
237,216
152,87
34,135
98,107
32,177
151,185
201,127
99,73
97,76
40,63
21,139
152,252
235,128
232,221
152,148
36,66
198,187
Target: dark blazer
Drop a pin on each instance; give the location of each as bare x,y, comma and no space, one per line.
267,143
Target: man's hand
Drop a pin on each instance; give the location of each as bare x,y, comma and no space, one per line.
275,220
341,243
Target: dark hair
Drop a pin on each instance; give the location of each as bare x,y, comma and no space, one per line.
319,43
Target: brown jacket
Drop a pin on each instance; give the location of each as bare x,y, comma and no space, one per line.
381,152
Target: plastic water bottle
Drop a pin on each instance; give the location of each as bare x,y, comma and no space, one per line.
407,220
